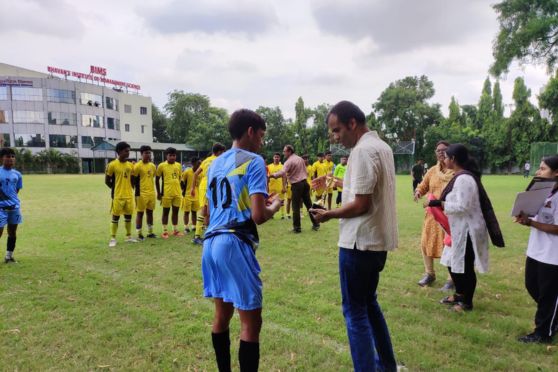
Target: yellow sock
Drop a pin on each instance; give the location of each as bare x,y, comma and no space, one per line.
128,226
165,228
199,225
150,229
113,228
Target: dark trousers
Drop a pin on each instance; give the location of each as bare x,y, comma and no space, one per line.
339,196
541,281
416,183
466,283
369,339
301,194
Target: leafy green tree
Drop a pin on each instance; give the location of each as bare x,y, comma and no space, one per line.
278,132
528,33
403,111
486,105
160,133
318,134
548,100
302,114
186,111
212,129
497,101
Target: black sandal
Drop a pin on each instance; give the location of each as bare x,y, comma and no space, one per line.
453,299
461,307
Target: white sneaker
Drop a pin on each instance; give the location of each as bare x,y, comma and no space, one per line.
112,243
129,239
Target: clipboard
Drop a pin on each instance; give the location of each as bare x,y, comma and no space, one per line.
530,202
538,183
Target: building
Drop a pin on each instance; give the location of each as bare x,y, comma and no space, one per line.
74,113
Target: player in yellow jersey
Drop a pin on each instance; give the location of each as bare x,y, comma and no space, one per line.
118,177
319,170
277,186
329,168
201,175
190,203
309,171
144,173
170,193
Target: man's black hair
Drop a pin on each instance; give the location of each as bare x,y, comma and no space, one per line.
144,148
243,119
320,154
6,151
218,147
328,152
277,154
194,160
121,146
170,150
345,111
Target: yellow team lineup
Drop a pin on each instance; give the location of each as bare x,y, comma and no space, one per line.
141,186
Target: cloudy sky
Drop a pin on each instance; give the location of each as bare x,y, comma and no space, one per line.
247,53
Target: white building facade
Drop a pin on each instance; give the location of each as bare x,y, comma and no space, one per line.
39,111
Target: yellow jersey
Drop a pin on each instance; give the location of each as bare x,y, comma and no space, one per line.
205,166
275,183
144,173
121,173
329,166
188,178
319,169
310,171
170,173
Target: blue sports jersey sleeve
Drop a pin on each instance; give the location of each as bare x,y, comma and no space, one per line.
257,177
19,182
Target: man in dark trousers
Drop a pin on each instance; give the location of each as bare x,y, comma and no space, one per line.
417,172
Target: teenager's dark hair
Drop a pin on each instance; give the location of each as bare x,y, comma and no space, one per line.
170,150
445,143
305,157
243,119
345,111
194,160
277,154
552,162
320,154
121,146
144,148
218,147
327,152
6,151
463,158
290,148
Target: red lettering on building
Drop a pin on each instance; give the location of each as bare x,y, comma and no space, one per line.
94,70
98,70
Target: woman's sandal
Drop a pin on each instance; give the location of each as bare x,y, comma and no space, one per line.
451,300
461,307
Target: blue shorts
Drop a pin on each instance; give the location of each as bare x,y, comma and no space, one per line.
12,217
231,272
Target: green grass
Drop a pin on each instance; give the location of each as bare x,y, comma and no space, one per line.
73,304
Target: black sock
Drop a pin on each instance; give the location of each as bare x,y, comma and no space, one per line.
249,356
222,346
11,243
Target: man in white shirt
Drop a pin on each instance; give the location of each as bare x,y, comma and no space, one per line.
367,231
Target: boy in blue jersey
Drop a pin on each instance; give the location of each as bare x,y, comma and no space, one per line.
236,195
10,184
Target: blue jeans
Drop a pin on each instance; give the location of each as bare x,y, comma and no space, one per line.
369,339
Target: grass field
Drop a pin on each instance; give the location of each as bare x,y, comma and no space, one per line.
73,304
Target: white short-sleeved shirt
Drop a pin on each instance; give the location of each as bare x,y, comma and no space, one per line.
370,170
543,246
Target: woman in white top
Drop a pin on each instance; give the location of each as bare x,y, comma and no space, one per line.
472,221
541,267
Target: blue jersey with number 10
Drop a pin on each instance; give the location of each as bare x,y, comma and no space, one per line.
232,178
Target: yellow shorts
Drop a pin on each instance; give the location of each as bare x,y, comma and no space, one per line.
190,204
202,189
278,192
144,202
122,207
289,192
168,201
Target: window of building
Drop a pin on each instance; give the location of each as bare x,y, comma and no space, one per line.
29,140
27,94
143,129
127,127
94,121
60,140
5,140
61,96
29,117
3,93
143,110
88,142
113,123
111,103
91,99
4,116
117,124
62,118
128,109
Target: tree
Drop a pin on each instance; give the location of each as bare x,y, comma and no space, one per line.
302,115
497,101
486,105
319,134
528,33
186,111
278,133
160,133
403,111
212,129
